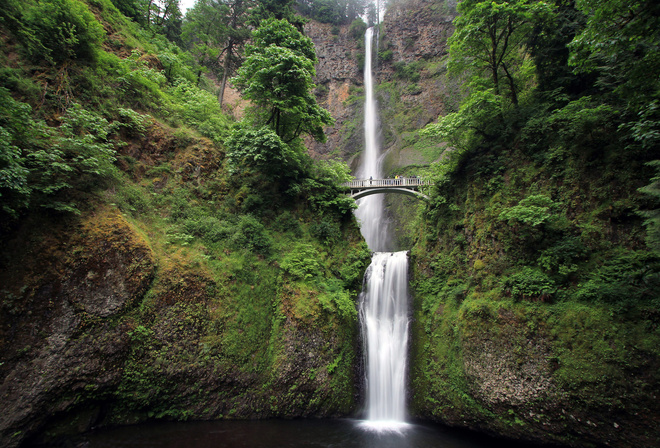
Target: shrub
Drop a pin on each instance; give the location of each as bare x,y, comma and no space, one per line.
326,231
64,29
200,109
262,150
41,166
530,284
302,262
336,298
251,234
625,277
357,29
533,210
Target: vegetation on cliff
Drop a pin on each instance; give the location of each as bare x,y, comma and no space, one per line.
161,260
536,270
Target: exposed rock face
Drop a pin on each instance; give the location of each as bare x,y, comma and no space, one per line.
418,29
499,377
411,31
97,271
337,74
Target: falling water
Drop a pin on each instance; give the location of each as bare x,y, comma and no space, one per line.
384,317
384,300
370,212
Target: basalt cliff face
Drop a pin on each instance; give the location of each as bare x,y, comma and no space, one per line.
541,369
102,322
411,31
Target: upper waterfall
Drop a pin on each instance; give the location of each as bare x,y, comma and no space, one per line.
370,212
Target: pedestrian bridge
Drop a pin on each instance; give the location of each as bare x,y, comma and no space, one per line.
404,185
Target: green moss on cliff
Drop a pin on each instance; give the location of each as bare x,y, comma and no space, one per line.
536,299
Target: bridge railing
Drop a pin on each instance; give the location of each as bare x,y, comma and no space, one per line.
400,182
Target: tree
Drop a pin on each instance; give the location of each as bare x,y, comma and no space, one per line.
215,31
621,42
491,38
204,32
278,9
550,50
164,16
277,77
337,12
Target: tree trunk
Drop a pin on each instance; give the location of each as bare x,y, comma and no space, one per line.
225,75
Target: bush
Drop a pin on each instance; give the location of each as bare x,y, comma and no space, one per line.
530,284
302,262
200,109
262,150
407,72
624,277
251,234
326,231
41,166
357,29
533,210
63,30
335,298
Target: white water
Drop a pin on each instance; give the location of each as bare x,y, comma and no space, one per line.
370,212
384,300
384,317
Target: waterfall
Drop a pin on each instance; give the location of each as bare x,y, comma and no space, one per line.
384,318
370,212
384,300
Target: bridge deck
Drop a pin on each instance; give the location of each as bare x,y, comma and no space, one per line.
404,185
412,182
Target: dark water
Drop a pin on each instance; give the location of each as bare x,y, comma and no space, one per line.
282,434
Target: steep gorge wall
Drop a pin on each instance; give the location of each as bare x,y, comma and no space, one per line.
575,371
413,37
104,322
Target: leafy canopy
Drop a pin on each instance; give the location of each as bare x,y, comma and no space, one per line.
277,77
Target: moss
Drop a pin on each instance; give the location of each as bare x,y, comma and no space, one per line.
567,288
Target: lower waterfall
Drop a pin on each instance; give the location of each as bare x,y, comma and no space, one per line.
384,322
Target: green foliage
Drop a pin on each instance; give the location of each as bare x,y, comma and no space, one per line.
133,122
453,290
252,235
357,29
335,297
489,37
353,267
130,8
533,210
62,30
322,190
43,167
138,84
277,76
478,119
327,232
620,41
262,150
626,277
652,221
302,262
563,257
529,284
407,71
199,109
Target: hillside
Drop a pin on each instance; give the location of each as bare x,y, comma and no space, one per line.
535,270
140,278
